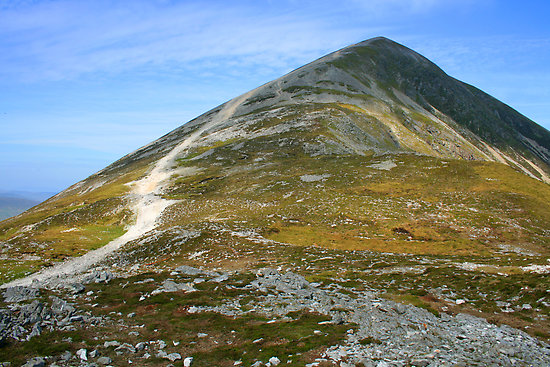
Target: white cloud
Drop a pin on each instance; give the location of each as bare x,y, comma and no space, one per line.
58,40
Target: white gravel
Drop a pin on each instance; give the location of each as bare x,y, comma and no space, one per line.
147,206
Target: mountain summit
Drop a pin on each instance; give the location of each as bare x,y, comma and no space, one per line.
367,169
408,104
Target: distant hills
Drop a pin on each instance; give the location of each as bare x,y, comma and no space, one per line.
16,202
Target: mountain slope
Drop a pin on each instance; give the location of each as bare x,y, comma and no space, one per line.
372,155
369,99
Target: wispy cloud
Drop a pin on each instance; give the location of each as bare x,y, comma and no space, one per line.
58,40
53,40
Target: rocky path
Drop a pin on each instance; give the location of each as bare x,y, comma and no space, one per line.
148,208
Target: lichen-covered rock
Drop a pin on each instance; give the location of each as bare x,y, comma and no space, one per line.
20,293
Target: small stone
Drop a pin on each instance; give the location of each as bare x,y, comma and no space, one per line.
420,362
112,343
133,333
173,356
75,288
81,353
132,314
221,278
140,346
202,335
187,361
526,306
66,356
460,301
125,347
161,354
188,270
94,353
274,361
104,360
35,362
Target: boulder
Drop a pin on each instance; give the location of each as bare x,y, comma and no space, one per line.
75,288
19,293
173,357
188,270
104,360
82,354
98,277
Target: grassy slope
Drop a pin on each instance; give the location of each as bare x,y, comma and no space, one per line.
65,226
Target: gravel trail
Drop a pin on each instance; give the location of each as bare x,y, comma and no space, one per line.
147,206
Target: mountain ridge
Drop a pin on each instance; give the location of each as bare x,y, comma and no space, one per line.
538,149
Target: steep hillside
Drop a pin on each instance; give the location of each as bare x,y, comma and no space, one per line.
370,172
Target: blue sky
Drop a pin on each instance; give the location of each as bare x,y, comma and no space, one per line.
83,83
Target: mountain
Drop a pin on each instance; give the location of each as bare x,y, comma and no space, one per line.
379,187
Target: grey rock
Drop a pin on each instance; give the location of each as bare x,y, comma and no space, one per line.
140,346
61,307
112,343
31,313
94,353
98,277
420,362
82,354
171,286
76,318
161,354
36,331
188,270
173,357
19,293
66,356
104,360
188,361
75,288
221,278
35,362
125,347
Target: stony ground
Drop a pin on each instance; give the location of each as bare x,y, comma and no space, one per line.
264,317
